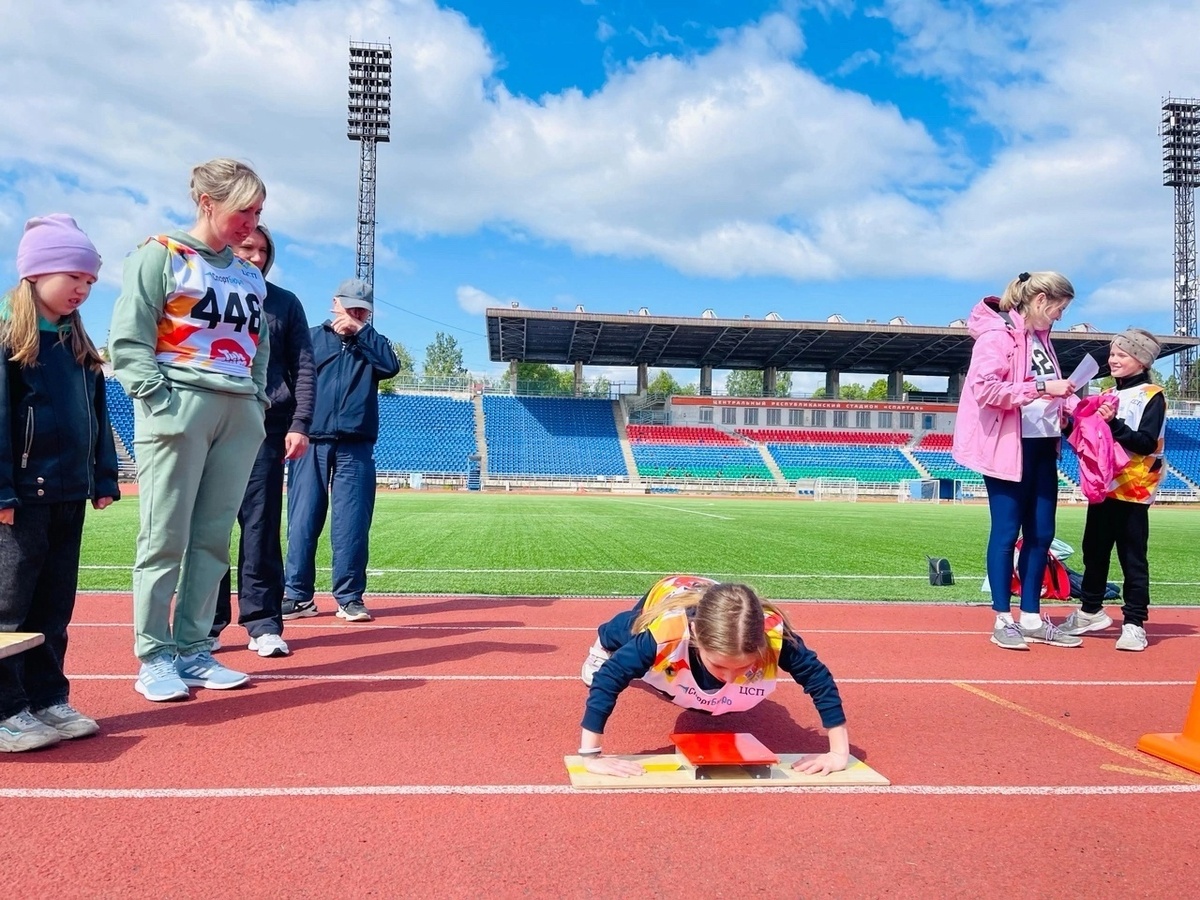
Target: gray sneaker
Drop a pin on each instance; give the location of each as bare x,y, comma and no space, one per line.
67,721
21,731
1133,637
354,611
1080,622
1009,637
1049,633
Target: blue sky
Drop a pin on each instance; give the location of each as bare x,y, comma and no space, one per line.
811,157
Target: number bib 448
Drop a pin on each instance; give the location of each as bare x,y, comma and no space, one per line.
212,317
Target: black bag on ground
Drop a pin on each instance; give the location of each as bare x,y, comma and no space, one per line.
939,571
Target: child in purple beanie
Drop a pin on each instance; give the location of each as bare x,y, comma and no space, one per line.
56,453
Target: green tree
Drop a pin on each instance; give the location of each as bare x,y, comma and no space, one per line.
852,391
749,383
663,383
541,378
599,387
879,390
443,358
388,385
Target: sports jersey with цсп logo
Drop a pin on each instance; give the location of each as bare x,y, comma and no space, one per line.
672,672
211,317
1138,481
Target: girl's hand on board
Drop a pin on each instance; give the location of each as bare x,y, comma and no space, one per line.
6,516
823,764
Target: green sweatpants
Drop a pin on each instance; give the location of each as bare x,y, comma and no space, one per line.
194,459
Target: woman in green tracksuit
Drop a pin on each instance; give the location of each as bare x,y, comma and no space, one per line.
189,344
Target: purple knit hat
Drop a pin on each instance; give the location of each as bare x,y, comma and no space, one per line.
54,243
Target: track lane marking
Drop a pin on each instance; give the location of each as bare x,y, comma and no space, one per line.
952,682
1170,772
437,790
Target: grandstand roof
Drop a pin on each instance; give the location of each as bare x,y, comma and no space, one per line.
601,339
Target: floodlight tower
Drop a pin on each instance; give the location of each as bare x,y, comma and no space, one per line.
1181,170
368,122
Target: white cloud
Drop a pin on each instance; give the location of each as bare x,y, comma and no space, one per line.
858,60
473,300
1124,300
735,161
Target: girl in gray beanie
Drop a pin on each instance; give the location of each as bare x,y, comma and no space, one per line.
1138,419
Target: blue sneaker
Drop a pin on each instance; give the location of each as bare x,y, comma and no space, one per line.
203,671
158,680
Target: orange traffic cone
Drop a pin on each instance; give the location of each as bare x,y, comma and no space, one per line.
1182,749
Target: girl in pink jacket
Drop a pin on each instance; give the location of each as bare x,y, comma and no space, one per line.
1008,429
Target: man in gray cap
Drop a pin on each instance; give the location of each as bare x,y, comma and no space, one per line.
351,358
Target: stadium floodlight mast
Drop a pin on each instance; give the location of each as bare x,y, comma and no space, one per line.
1181,170
369,121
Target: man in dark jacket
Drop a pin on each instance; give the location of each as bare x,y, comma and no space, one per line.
351,359
291,388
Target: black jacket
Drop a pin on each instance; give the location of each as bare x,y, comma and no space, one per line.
59,445
290,375
349,370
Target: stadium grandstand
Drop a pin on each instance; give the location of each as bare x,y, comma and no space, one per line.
470,435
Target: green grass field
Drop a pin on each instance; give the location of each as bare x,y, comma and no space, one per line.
596,545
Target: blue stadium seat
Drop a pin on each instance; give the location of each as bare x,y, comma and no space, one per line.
865,462
552,436
120,412
428,433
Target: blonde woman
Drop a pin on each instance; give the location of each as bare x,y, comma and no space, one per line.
1008,429
707,646
189,343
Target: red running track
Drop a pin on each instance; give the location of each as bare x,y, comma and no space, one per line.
421,755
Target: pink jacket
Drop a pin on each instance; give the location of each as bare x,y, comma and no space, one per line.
1100,457
987,429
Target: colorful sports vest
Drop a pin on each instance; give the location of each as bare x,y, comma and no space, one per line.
212,320
671,672
1138,481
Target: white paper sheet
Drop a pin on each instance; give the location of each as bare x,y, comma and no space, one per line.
1084,372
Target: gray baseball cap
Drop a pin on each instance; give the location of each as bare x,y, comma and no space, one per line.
353,293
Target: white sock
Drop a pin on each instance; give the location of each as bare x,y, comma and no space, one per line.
1003,619
1031,621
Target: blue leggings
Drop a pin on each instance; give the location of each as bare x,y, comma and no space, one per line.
1026,506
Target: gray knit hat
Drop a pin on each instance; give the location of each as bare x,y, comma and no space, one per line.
1140,344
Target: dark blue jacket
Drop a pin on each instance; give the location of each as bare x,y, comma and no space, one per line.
290,377
349,370
634,659
57,445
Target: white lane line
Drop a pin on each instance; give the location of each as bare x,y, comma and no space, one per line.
301,676
680,509
471,626
440,790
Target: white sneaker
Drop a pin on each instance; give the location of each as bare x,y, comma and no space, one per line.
214,644
269,645
1079,622
597,656
1133,637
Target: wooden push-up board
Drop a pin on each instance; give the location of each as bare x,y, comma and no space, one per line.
726,760
13,642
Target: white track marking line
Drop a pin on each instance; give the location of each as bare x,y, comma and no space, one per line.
476,628
301,676
440,790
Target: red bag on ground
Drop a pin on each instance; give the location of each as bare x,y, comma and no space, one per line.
1056,583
